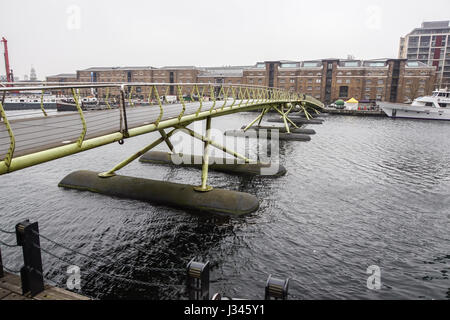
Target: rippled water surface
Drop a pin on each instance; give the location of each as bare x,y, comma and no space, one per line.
363,192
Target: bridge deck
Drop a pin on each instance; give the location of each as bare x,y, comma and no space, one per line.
42,133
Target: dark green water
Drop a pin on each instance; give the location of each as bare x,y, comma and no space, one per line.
363,192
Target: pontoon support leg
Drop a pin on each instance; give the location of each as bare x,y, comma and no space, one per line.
286,118
204,187
265,112
112,172
260,117
216,145
166,139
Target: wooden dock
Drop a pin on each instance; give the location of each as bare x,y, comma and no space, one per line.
358,113
10,289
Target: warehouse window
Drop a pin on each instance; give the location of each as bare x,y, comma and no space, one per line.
343,91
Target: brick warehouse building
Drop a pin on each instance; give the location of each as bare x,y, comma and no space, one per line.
63,79
396,80
430,45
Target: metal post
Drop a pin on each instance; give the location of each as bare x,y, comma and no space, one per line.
1,264
308,116
124,111
83,120
263,112
285,117
31,273
167,140
276,289
42,103
198,280
204,187
12,144
112,172
216,145
285,121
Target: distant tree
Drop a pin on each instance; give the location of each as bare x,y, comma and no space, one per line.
429,86
414,88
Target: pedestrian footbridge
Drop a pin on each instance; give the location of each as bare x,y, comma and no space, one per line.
31,140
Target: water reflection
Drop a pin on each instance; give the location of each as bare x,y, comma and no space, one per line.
362,192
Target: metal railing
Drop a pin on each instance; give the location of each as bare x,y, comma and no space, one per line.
29,137
33,277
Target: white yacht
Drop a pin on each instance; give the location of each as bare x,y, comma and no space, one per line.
434,107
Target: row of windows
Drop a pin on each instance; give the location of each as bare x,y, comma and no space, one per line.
368,81
319,74
372,73
309,80
308,88
420,90
209,81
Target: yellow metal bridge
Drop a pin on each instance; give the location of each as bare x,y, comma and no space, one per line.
29,141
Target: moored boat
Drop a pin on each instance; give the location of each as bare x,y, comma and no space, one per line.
29,102
434,107
88,103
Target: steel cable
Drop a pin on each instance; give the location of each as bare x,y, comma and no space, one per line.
67,248
103,260
11,270
9,232
108,275
8,245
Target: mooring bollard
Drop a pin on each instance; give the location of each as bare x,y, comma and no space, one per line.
31,273
276,289
1,264
198,280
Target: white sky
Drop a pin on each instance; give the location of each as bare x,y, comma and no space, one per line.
60,36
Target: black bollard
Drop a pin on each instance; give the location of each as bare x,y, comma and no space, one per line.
198,280
276,289
1,265
31,273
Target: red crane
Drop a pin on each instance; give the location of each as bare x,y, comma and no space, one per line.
9,73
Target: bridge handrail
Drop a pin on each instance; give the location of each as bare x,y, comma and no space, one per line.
87,85
196,101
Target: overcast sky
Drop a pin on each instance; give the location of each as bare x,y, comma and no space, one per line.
59,36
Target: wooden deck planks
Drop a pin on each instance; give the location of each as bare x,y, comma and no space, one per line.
10,289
